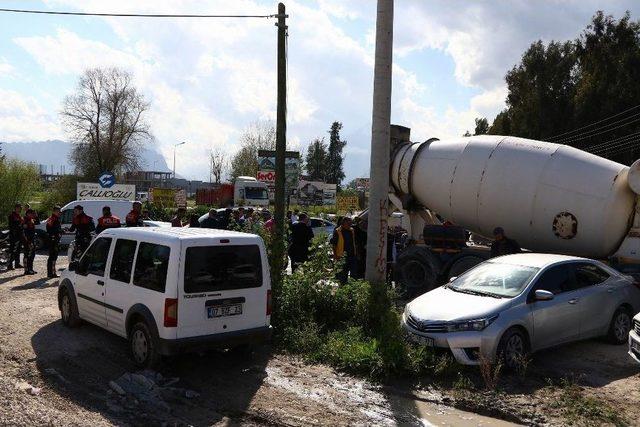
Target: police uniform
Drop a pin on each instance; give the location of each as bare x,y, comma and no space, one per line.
134,219
107,221
83,226
29,225
16,236
54,231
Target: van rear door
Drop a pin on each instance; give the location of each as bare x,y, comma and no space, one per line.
224,288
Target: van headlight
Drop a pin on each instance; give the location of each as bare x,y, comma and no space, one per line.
471,325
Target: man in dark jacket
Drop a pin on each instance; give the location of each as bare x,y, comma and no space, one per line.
16,236
134,217
300,240
29,226
502,245
107,220
83,225
211,220
54,231
176,221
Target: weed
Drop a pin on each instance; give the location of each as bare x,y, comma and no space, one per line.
490,372
580,409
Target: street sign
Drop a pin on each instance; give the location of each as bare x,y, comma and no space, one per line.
95,191
107,179
267,163
347,203
181,198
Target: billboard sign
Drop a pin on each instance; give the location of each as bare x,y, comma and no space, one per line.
316,193
95,191
267,163
347,203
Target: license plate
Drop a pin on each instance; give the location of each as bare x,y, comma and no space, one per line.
224,310
426,341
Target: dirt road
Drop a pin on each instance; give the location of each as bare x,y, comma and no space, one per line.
53,375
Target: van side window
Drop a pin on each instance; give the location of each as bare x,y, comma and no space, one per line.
67,216
122,261
94,261
220,268
151,266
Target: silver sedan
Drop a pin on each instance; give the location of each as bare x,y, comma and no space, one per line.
507,307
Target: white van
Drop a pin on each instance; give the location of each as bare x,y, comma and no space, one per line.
170,290
93,208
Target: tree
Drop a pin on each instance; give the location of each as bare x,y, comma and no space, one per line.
467,133
19,182
334,172
260,135
106,122
582,92
316,160
482,126
218,164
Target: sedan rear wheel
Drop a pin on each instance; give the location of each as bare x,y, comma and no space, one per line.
620,326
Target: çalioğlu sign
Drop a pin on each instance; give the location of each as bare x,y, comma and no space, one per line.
94,191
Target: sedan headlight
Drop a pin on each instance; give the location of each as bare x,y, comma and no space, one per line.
471,325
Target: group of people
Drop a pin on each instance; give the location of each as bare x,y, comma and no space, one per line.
22,233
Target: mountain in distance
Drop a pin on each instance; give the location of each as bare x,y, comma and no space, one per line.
54,155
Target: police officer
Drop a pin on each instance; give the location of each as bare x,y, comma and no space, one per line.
16,236
107,220
29,225
134,218
54,231
83,225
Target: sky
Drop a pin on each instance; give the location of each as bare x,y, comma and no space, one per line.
209,79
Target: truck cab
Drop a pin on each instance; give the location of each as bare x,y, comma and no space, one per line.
248,191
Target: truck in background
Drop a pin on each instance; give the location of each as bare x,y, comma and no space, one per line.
246,191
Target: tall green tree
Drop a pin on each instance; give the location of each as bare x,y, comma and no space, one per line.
316,160
582,92
482,126
335,172
259,135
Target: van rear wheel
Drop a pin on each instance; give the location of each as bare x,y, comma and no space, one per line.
68,310
620,325
143,348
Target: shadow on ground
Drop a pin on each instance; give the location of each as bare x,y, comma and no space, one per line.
79,364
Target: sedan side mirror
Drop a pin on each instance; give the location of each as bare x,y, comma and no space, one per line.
542,295
73,266
452,278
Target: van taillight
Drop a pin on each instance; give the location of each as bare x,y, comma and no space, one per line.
170,313
269,302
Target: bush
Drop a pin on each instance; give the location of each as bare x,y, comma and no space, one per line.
19,182
61,192
354,327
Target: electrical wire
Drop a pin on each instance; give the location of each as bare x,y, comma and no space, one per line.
613,143
593,132
551,138
132,15
622,146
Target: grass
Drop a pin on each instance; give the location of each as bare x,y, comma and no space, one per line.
579,409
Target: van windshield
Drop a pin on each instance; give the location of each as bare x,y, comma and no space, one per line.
256,193
220,268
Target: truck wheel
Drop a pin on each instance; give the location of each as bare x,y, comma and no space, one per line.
463,264
416,271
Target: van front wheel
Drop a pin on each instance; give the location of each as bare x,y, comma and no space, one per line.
144,350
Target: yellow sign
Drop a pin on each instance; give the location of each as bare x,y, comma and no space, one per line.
347,203
165,197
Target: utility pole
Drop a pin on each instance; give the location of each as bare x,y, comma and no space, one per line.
379,170
281,145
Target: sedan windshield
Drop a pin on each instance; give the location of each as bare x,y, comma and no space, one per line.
494,279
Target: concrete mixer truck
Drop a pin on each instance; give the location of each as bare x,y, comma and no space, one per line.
549,197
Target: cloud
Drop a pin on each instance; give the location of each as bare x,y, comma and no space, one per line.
6,69
23,118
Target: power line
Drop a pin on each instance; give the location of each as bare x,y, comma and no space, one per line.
132,15
623,145
598,131
591,124
613,143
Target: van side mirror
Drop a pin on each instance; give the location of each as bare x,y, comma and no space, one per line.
542,295
73,266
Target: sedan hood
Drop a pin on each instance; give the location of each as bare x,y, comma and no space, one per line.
443,304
